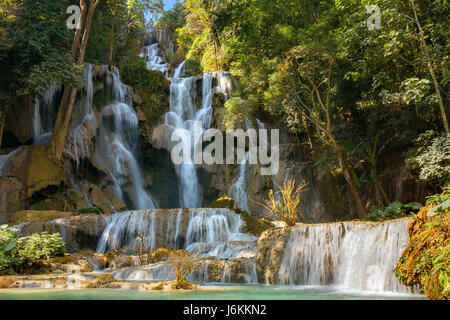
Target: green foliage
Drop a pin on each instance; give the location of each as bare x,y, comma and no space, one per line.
395,210
55,69
172,19
152,86
34,47
19,254
433,159
437,199
192,68
89,210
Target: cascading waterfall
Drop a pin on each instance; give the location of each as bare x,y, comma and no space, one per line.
155,62
194,229
44,115
237,191
118,143
79,146
184,113
214,233
356,256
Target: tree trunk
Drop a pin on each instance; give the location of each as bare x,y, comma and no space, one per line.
431,70
352,186
380,194
111,45
79,30
2,125
58,140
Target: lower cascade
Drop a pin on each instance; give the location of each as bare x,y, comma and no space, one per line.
356,256
215,234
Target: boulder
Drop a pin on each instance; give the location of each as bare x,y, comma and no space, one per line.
111,196
100,282
163,254
5,282
35,169
168,285
98,198
271,247
79,232
71,264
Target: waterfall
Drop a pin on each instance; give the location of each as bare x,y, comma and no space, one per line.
155,62
118,143
184,113
5,159
44,115
237,190
216,232
356,256
79,146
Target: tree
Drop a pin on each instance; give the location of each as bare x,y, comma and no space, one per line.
371,153
58,139
312,100
430,67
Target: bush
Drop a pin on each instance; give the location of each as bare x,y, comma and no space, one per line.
192,68
20,254
437,199
151,85
89,210
433,158
395,210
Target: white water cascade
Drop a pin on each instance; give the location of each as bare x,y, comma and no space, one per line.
352,256
184,113
217,232
118,143
237,191
214,233
44,115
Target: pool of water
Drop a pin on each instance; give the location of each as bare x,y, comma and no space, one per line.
210,292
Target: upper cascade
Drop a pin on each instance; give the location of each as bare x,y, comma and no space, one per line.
185,112
109,137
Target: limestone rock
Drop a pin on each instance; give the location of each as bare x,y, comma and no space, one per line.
111,196
100,282
5,282
35,169
271,247
36,215
80,232
163,254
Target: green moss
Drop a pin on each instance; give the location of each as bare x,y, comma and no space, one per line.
192,68
151,86
89,210
426,259
253,225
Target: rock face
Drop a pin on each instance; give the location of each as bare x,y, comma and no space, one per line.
271,248
429,242
27,216
79,232
5,282
25,172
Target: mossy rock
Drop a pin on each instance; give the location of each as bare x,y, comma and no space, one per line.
426,259
224,203
36,169
253,225
163,254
